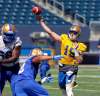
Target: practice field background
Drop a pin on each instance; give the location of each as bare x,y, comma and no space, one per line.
88,82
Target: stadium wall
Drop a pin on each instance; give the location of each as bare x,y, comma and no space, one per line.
24,32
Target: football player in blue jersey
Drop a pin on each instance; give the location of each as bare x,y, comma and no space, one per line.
10,46
25,84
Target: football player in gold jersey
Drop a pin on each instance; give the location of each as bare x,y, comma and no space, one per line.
72,51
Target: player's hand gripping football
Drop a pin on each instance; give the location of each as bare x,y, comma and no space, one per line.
37,11
39,18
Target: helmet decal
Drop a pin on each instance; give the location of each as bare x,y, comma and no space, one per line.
8,28
8,32
75,29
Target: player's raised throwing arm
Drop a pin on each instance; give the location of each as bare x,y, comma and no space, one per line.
54,35
37,11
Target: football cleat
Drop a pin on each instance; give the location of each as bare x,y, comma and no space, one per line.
50,78
44,80
74,84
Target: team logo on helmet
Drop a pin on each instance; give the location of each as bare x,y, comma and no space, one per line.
8,28
75,29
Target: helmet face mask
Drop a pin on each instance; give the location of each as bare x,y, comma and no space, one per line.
8,37
8,33
73,37
74,33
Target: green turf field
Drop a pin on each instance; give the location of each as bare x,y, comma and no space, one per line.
88,81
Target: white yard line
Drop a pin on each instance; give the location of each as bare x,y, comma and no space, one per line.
55,88
88,90
89,66
83,70
87,76
81,82
89,82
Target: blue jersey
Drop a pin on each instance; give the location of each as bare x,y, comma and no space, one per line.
25,84
44,62
28,70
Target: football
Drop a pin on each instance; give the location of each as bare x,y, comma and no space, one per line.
36,10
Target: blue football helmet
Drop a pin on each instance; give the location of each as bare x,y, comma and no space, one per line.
8,33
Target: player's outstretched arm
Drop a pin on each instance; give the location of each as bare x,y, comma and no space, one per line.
40,58
54,35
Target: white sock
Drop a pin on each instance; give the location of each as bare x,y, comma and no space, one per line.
69,91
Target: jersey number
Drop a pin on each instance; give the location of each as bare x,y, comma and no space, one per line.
67,49
21,69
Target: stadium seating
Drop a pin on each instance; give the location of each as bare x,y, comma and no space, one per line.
19,12
90,9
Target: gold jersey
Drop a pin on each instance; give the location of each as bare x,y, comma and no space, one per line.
66,47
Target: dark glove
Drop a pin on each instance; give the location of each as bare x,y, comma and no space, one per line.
39,18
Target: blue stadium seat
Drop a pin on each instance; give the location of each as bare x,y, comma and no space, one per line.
21,9
80,6
19,12
26,52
